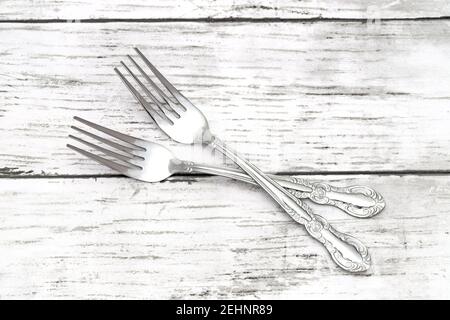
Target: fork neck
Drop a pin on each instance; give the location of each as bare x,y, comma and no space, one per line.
205,138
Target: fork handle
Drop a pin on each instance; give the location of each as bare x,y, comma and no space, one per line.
347,252
357,201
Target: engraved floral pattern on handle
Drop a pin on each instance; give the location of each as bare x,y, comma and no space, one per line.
320,229
357,201
347,252
320,191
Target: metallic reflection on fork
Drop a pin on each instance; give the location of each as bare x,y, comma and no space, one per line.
185,123
161,163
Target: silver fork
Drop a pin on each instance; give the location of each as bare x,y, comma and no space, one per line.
160,163
185,123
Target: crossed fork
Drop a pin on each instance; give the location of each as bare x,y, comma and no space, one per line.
185,123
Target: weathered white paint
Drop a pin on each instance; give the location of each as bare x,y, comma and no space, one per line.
294,97
194,9
212,238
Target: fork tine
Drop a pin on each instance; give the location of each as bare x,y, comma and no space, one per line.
177,94
154,114
111,164
158,103
170,104
124,158
113,144
161,93
118,135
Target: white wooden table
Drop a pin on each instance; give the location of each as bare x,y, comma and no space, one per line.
310,88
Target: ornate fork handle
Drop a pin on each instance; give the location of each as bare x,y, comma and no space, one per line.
357,201
347,252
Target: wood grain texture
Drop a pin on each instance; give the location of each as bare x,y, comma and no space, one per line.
195,9
293,97
212,238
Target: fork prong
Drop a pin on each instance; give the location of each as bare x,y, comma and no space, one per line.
161,93
124,158
154,114
143,87
170,105
113,144
176,94
111,164
155,100
118,135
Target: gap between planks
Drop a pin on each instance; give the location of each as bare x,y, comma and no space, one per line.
223,20
193,176
221,9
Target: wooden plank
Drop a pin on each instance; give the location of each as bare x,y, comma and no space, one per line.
212,238
292,97
189,9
